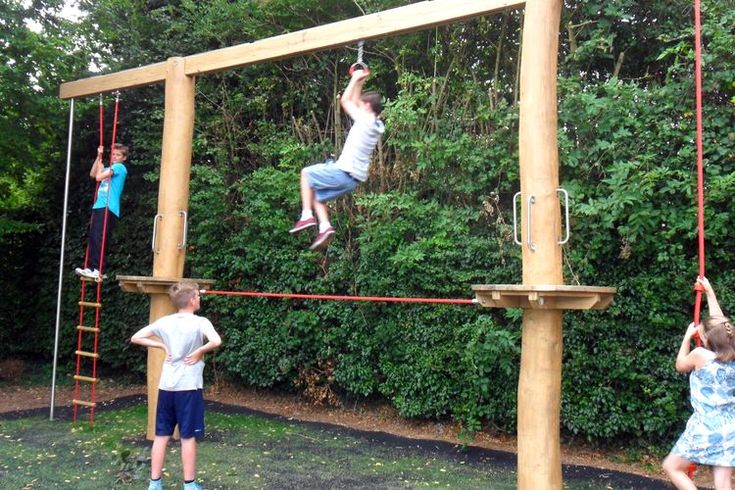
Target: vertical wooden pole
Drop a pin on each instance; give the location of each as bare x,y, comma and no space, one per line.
539,387
173,198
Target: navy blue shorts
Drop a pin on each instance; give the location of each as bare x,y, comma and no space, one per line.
329,181
182,408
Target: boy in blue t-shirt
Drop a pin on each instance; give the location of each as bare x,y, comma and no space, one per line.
112,182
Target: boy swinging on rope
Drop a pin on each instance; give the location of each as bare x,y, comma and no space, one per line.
326,181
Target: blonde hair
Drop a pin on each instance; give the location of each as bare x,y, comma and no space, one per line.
720,337
183,292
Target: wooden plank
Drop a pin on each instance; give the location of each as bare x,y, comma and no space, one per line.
134,77
414,17
83,403
82,353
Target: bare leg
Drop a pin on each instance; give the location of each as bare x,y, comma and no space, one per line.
322,212
676,468
189,457
307,194
158,455
723,477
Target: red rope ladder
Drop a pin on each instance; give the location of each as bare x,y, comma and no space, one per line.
82,301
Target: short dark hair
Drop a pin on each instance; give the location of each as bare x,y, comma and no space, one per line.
375,101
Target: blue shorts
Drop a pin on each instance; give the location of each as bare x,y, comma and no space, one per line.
329,181
185,408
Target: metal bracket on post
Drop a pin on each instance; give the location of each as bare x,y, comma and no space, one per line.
531,201
155,233
185,233
566,215
515,218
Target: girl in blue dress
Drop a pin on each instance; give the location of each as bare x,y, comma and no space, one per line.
709,437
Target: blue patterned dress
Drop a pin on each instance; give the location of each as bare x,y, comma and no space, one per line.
709,437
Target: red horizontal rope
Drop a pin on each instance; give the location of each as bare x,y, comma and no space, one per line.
385,299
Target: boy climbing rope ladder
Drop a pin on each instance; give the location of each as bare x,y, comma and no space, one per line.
111,184
326,181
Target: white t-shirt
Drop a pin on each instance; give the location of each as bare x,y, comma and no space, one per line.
359,145
182,333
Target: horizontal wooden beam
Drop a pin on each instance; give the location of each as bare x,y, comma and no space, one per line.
409,18
414,17
134,77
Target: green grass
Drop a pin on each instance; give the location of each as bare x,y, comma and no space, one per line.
239,452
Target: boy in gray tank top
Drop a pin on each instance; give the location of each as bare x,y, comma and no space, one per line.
326,181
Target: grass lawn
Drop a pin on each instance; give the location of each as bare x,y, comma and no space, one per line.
246,450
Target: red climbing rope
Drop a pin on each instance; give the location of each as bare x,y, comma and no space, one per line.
700,152
385,299
700,172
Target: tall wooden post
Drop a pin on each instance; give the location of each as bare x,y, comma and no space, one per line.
173,204
539,387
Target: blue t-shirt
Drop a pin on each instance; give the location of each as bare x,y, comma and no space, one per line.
112,188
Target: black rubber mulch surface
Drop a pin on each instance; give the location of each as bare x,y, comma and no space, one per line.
470,454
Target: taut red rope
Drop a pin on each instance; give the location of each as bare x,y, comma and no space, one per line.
331,297
700,152
700,171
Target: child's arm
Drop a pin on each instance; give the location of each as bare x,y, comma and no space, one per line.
97,164
144,337
685,360
351,95
213,341
712,304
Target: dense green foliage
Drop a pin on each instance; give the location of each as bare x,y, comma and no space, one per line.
433,217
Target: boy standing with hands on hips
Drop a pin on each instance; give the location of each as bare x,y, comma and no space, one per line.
180,391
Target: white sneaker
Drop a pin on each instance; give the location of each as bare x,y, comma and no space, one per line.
82,272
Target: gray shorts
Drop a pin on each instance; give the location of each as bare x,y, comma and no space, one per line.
329,181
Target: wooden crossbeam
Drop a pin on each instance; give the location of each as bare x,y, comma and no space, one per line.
414,17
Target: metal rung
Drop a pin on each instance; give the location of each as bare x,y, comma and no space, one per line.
88,329
90,304
83,403
86,378
87,354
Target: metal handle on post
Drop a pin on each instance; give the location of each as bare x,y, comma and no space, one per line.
566,215
155,232
531,245
185,233
515,219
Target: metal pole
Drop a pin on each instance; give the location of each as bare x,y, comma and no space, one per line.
61,258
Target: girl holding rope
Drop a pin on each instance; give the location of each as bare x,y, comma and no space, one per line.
709,437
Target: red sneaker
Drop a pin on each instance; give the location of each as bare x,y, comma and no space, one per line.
323,239
302,224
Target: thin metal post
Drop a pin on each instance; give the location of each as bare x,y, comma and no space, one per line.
61,258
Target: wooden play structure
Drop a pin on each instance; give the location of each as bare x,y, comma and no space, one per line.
542,295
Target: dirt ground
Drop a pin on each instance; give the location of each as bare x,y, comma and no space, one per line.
361,416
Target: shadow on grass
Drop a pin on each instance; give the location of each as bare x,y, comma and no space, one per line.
245,448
